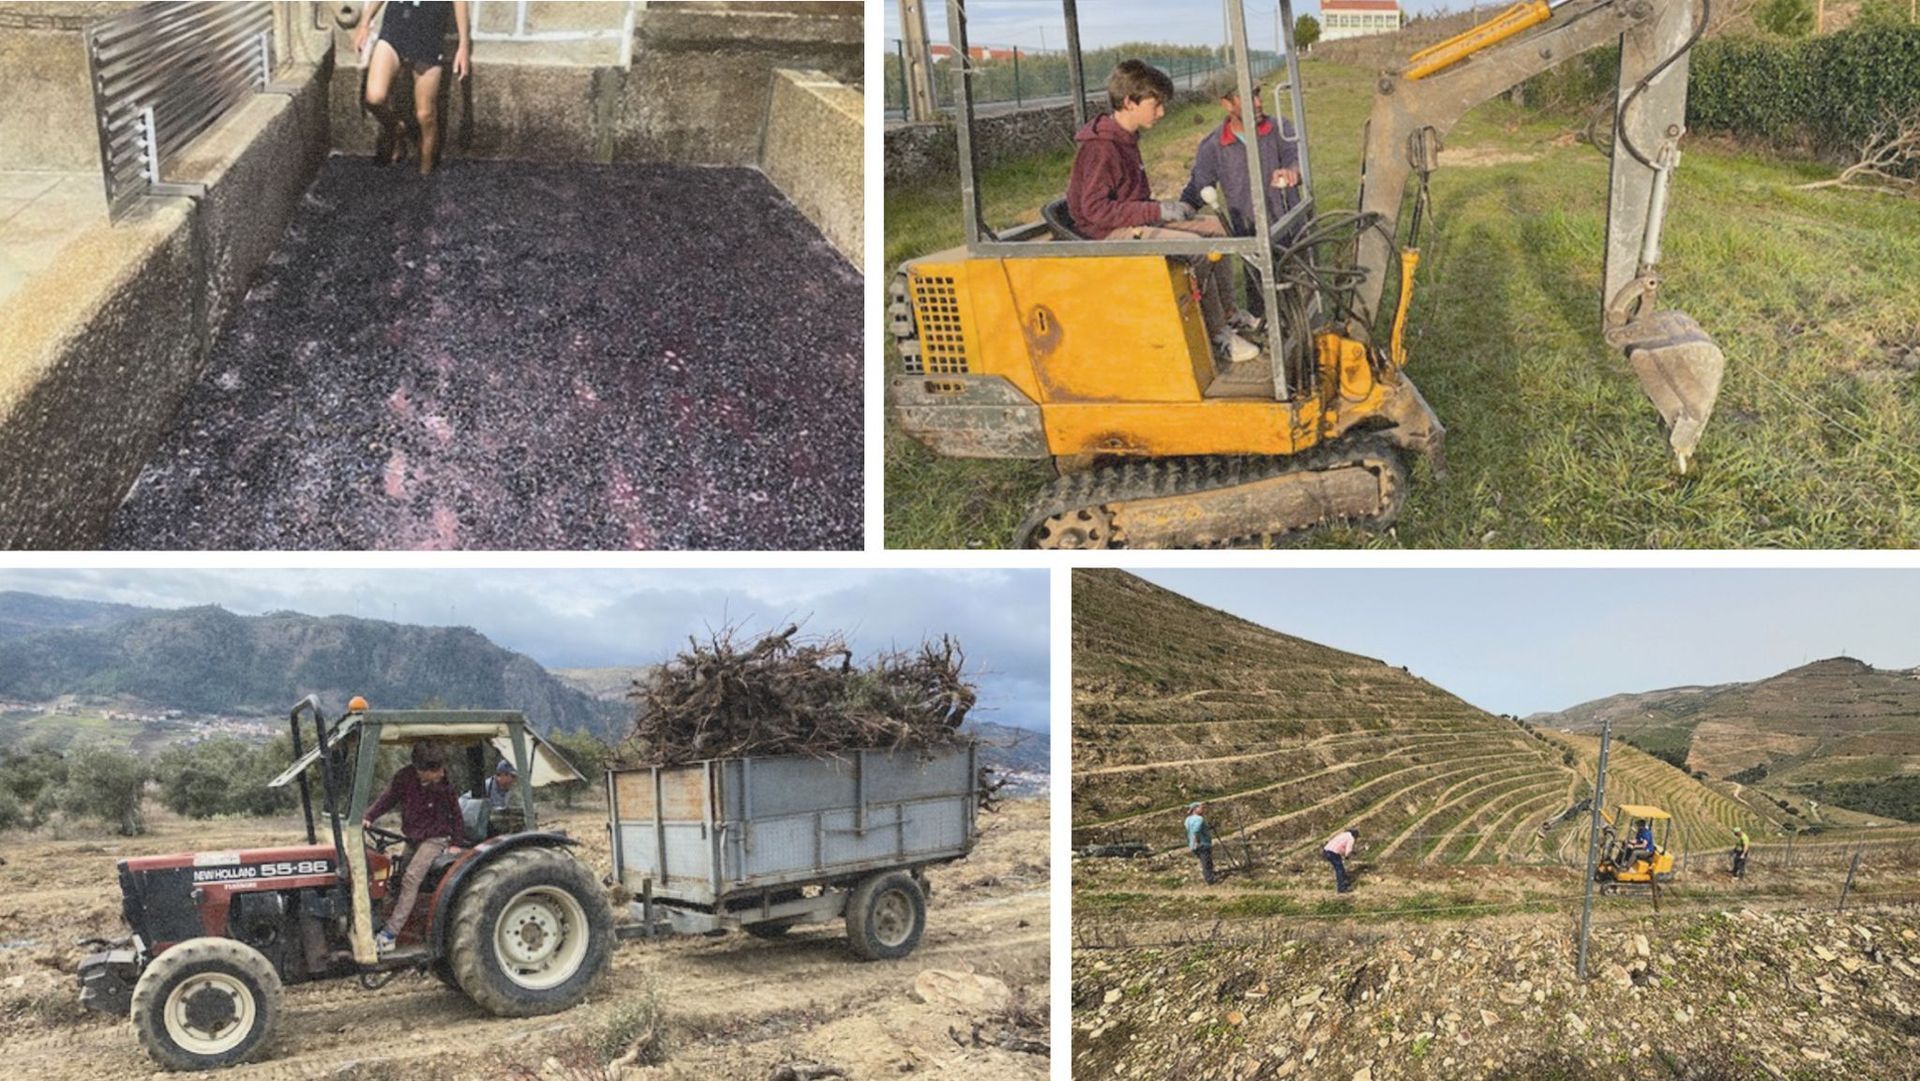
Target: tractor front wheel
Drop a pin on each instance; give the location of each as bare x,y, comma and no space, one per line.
206,1003
530,932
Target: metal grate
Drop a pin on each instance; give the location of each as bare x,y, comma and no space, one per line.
162,74
936,311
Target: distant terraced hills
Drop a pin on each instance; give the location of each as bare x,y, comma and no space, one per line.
1174,701
1837,719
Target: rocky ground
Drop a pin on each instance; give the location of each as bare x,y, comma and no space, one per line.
969,1004
1761,991
523,356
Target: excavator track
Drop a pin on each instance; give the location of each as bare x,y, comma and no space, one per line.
1219,501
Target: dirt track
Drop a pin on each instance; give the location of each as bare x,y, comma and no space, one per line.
734,1006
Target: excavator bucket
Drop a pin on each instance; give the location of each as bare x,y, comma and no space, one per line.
1679,366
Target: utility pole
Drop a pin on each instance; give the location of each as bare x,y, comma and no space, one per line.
1078,73
919,62
1593,840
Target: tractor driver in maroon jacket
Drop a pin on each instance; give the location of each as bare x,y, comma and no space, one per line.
1110,198
430,820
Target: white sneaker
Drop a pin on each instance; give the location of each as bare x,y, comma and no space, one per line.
384,941
1244,320
1230,346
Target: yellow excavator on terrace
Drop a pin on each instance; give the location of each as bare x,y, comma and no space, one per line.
1015,346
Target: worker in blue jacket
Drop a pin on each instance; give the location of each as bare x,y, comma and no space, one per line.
1200,840
1221,164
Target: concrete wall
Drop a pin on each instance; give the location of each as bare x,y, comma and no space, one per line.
97,351
699,90
815,153
924,153
46,100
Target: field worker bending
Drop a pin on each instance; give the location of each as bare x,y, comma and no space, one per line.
429,818
1200,840
1741,845
1337,852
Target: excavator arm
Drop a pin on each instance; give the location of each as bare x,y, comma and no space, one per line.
1677,364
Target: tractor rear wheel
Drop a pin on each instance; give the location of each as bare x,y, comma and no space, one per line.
206,1003
531,930
886,916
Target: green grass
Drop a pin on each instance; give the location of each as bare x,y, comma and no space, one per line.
1814,296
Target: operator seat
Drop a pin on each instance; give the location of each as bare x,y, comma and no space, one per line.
1059,222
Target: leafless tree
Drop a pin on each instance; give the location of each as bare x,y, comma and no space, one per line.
1888,160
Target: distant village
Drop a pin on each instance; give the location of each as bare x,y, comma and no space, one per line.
190,727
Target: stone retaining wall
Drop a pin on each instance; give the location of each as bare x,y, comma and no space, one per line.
922,153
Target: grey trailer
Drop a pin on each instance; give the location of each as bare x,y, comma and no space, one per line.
764,844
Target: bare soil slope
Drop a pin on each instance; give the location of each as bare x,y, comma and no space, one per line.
1747,992
734,1006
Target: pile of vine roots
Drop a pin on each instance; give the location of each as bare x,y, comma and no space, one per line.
784,694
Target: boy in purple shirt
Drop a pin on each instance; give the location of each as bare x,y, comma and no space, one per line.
430,820
1110,197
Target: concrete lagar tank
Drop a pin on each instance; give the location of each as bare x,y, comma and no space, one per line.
602,325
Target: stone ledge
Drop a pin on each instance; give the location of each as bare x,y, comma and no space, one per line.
815,151
98,348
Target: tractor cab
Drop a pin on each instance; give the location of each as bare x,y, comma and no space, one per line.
507,915
346,756
1634,846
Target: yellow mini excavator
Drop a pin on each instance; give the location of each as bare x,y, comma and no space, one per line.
1037,343
1624,860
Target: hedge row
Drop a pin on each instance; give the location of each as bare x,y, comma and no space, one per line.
1825,93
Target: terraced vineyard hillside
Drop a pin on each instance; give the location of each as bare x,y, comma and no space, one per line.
1288,740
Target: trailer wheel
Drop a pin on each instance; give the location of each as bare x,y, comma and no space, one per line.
206,1003
530,932
886,916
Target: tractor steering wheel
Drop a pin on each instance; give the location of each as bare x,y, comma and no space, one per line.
383,839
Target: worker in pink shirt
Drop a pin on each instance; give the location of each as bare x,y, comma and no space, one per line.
1337,852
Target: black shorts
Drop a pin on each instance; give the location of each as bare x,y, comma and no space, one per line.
417,30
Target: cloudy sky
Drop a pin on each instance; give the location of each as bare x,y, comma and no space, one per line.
594,618
1523,641
1038,23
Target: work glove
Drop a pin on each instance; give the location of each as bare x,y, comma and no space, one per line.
1175,210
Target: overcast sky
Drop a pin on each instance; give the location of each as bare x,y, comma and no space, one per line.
1038,23
1524,641
597,618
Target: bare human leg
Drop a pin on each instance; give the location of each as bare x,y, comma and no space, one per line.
380,71
426,109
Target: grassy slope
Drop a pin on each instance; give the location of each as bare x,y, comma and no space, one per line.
1814,296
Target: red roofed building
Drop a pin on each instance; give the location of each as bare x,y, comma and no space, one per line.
940,50
1355,18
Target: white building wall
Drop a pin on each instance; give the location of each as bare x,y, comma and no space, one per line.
1335,25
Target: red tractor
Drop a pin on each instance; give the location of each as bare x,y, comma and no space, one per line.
508,915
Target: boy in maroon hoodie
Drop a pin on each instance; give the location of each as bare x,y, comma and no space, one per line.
1110,198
